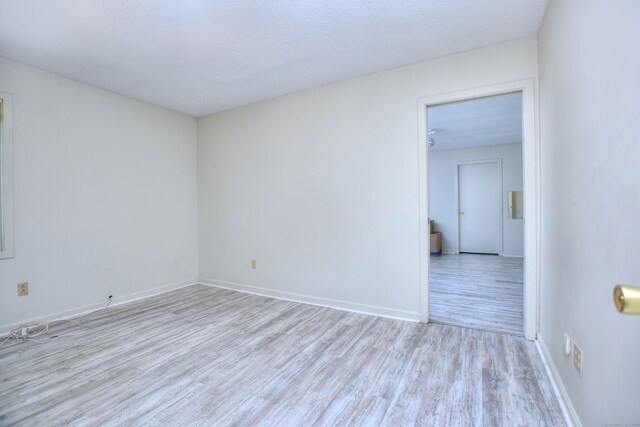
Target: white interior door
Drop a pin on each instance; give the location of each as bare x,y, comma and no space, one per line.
479,208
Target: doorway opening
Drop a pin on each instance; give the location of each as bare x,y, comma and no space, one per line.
479,183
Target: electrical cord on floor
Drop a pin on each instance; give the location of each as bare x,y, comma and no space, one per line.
29,331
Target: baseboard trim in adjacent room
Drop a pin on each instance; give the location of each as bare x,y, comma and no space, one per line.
570,414
512,256
117,300
319,301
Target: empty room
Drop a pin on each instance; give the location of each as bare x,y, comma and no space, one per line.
476,273
327,213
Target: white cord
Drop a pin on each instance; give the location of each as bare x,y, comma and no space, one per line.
28,332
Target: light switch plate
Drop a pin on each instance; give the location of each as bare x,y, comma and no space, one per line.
567,344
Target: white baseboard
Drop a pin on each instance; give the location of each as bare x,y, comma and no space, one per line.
449,252
117,300
319,301
570,414
512,256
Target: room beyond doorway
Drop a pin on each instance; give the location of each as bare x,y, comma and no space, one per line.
530,195
475,165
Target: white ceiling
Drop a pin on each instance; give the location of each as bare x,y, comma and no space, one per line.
200,57
476,123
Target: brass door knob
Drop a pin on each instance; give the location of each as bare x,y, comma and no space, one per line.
627,299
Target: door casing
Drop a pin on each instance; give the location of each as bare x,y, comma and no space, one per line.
531,175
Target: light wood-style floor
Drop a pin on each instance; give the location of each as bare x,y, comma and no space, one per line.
480,291
207,356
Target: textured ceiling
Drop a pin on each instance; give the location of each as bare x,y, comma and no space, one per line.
200,57
476,123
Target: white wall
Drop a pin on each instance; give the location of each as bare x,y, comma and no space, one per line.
104,194
321,186
590,148
443,208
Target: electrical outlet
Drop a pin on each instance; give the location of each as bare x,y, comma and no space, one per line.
578,358
23,289
567,344
253,264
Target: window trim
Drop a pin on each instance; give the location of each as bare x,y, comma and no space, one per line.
6,176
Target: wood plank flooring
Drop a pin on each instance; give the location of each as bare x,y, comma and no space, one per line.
480,291
213,357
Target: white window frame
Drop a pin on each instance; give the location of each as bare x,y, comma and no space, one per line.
6,176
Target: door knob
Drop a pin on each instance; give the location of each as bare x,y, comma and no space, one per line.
461,213
627,299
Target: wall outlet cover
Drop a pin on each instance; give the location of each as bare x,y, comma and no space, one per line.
578,358
23,289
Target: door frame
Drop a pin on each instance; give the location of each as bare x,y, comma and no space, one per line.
531,175
498,163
